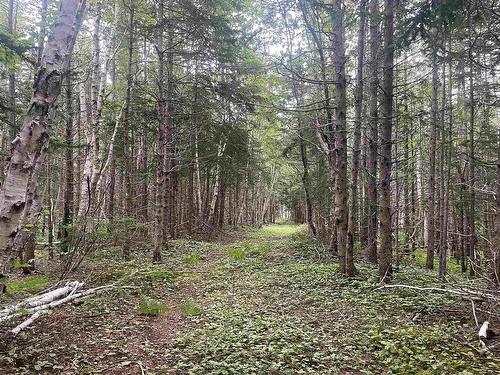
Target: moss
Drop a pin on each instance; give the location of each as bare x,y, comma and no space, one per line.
30,284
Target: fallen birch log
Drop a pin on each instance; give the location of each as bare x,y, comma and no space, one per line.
40,305
10,312
14,331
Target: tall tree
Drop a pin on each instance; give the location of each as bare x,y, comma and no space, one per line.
341,192
28,148
385,258
358,109
431,212
372,156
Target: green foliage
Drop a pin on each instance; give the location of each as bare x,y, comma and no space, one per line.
280,230
236,253
114,252
239,341
30,284
150,306
191,308
192,259
18,264
11,48
158,275
420,257
414,350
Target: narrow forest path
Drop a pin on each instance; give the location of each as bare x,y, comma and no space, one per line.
259,301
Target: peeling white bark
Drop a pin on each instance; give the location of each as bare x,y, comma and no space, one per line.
28,145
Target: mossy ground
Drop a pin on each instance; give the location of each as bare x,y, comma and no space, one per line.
270,301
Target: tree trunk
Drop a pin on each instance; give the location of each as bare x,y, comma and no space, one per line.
496,244
86,181
472,162
12,76
305,184
443,189
346,263
326,134
127,128
68,156
215,194
358,109
43,29
165,133
431,215
385,258
371,173
27,148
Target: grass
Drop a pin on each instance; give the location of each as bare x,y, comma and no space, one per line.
192,259
281,230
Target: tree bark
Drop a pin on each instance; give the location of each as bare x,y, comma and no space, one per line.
27,148
358,109
431,203
385,258
443,188
371,172
68,156
346,263
12,76
472,161
128,156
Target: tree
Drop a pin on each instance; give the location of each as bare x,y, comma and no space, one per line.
371,168
28,148
385,258
341,192
358,108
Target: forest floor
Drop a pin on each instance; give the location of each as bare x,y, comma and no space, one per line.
258,301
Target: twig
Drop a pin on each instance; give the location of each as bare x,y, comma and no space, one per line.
474,312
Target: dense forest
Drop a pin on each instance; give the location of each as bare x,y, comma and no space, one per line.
253,184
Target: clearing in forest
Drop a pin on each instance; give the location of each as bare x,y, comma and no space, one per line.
261,301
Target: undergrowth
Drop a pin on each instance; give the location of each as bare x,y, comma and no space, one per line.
273,303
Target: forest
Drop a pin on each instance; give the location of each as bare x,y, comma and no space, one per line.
249,187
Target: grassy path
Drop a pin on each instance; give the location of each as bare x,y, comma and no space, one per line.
262,301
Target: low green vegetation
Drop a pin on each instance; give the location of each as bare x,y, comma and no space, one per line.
192,259
29,284
239,341
420,257
271,303
417,350
236,253
288,311
191,308
151,306
282,230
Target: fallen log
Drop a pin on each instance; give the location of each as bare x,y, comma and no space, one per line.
32,302
14,331
42,304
